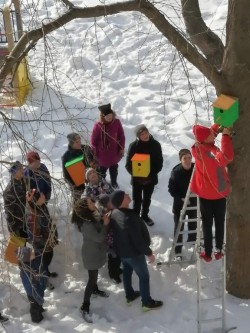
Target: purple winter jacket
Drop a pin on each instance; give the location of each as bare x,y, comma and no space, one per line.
108,142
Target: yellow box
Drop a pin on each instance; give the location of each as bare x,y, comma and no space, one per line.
140,165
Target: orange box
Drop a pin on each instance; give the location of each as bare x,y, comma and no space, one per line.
140,165
76,170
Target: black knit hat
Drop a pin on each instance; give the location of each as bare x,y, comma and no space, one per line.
14,167
117,198
183,152
105,109
72,137
139,129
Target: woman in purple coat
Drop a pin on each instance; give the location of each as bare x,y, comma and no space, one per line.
108,142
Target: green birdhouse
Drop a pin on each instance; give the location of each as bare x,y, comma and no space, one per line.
226,110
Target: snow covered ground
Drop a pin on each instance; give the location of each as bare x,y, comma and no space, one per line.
122,60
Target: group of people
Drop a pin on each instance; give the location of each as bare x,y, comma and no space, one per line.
111,230
106,149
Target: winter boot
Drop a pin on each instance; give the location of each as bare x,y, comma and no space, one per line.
133,297
84,309
152,305
148,220
35,311
3,319
98,292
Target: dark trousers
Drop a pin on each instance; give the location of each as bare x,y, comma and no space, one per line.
113,172
191,214
114,266
213,210
139,265
76,195
142,198
91,285
47,258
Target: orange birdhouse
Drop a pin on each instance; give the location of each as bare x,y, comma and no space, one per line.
76,170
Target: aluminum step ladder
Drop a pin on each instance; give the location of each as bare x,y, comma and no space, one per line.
180,230
210,309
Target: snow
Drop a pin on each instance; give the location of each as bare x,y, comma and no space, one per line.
124,60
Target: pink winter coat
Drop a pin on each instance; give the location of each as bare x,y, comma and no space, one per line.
108,142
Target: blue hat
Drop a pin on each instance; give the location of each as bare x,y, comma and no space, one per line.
14,167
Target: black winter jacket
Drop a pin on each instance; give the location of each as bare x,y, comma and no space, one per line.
70,154
131,236
14,197
178,186
151,147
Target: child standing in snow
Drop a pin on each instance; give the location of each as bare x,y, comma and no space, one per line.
94,249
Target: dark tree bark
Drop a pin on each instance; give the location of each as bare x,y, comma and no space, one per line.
202,36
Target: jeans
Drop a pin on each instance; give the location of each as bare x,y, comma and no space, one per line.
139,265
34,278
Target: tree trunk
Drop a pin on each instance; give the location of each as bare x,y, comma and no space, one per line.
200,34
236,68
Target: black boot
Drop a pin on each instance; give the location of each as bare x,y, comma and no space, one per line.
84,309
35,311
101,293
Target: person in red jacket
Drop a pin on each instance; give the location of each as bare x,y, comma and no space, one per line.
211,183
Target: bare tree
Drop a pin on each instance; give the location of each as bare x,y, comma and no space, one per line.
225,66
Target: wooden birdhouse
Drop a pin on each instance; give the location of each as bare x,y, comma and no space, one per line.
226,110
76,170
140,165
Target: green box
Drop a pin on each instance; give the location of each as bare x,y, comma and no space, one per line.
226,110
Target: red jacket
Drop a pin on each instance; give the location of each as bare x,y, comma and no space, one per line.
210,179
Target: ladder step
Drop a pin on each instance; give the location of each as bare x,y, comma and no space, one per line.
191,208
209,299
214,279
210,320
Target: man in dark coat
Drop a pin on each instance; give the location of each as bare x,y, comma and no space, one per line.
14,197
132,244
177,187
143,187
76,149
38,177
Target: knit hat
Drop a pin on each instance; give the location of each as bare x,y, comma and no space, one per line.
32,156
87,173
116,198
201,133
14,167
105,109
183,152
72,137
139,129
103,200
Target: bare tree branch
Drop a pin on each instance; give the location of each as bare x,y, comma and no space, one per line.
203,37
188,51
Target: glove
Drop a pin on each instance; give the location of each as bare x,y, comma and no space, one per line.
216,129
